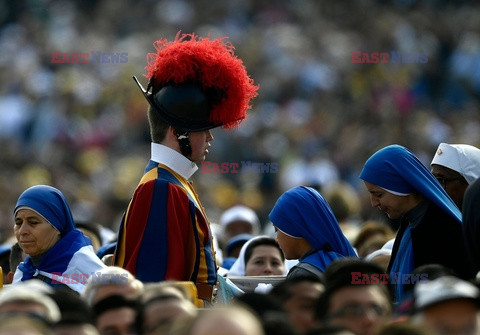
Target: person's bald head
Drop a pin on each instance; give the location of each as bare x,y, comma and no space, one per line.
229,320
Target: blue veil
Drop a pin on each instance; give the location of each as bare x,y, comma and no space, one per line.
395,168
303,212
72,256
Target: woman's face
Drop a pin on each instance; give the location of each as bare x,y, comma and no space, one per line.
34,234
266,260
393,205
288,245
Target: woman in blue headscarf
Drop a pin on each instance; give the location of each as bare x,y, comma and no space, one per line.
307,230
430,222
57,252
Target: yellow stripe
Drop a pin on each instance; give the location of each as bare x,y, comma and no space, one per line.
120,257
188,187
202,275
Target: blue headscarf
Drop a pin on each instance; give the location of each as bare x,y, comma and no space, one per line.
49,203
72,255
303,212
395,168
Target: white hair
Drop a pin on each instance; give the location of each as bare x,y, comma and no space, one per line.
25,294
95,281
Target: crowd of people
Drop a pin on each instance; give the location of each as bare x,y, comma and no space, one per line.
82,127
331,194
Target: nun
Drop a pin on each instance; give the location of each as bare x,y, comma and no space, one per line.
259,256
430,222
57,252
307,230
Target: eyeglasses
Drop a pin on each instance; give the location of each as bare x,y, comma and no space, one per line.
444,181
358,311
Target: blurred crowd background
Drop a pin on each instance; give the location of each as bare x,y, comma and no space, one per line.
82,127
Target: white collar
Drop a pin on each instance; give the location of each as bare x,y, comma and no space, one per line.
174,160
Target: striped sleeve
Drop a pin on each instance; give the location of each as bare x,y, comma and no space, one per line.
164,234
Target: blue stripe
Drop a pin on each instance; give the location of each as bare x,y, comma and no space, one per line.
154,241
210,260
169,177
151,165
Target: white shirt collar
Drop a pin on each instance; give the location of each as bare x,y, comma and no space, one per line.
174,160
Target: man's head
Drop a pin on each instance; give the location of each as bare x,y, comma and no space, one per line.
29,299
361,309
234,320
298,296
456,166
195,84
238,220
356,297
26,325
118,315
165,303
76,316
111,280
447,305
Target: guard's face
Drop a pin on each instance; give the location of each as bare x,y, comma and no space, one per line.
200,142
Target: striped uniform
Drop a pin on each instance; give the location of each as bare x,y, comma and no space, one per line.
165,233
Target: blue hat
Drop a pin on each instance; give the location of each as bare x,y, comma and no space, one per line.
236,241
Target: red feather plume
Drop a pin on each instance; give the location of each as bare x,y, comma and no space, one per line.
210,63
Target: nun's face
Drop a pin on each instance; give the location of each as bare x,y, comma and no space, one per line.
34,234
287,244
393,205
265,260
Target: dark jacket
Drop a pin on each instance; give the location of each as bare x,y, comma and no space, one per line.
438,239
471,223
